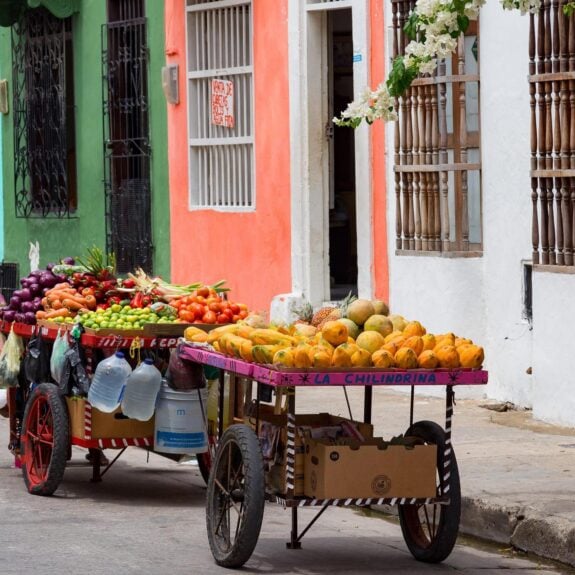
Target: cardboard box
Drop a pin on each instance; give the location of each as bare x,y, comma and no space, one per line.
374,468
275,477
106,425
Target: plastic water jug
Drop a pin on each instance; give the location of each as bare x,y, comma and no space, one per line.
108,384
142,388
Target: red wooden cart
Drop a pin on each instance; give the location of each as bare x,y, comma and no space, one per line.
44,424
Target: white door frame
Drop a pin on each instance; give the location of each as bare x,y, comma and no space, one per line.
307,33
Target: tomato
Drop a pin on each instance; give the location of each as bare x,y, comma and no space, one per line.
198,309
243,314
235,308
215,306
187,316
236,318
228,313
204,291
223,318
209,317
243,306
201,299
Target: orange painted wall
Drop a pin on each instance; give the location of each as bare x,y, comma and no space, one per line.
377,75
252,251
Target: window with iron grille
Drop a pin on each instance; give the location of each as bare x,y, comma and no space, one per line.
552,94
437,150
44,127
220,104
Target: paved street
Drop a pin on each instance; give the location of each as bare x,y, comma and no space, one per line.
148,517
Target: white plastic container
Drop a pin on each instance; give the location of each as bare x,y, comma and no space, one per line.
180,426
108,383
141,392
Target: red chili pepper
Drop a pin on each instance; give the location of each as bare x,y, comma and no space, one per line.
129,283
137,300
114,300
146,301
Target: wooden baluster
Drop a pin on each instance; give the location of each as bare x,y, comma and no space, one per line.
534,218
423,160
413,177
404,186
397,155
541,136
434,217
571,50
443,211
564,137
463,144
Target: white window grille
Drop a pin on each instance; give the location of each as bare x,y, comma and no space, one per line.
221,147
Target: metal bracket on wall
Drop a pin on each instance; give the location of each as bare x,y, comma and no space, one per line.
4,108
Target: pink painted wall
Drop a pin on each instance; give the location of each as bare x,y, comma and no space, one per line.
377,75
252,251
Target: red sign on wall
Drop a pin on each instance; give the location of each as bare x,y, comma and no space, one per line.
223,103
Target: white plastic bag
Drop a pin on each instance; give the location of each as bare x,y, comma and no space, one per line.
10,357
58,357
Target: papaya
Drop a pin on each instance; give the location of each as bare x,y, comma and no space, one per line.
429,341
390,347
341,357
393,335
216,333
321,358
415,342
382,358
462,341
264,353
405,358
361,358
301,356
335,332
427,359
414,328
447,356
263,336
471,355
284,357
246,352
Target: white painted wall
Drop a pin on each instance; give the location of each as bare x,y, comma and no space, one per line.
553,347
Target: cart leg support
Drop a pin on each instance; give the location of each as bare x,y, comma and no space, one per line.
295,542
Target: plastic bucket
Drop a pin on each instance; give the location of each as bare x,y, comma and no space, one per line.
180,426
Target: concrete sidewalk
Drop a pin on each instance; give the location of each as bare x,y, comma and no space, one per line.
517,475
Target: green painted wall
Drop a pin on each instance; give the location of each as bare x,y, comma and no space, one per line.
63,237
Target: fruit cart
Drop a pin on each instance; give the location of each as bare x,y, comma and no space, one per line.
419,474
44,424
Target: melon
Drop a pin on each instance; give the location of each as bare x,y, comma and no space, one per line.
352,327
379,323
398,321
370,340
380,307
359,310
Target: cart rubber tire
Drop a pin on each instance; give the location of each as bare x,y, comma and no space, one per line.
236,487
432,543
45,439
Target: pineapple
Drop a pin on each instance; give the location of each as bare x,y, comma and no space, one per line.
304,313
330,313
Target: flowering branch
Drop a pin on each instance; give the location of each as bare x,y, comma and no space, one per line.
433,27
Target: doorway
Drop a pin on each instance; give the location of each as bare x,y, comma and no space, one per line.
342,187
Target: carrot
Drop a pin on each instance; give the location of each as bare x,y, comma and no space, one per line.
57,313
40,314
62,295
71,304
44,302
56,304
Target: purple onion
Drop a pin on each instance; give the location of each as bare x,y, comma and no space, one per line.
50,266
61,278
36,273
17,293
47,279
69,261
24,282
25,294
30,317
9,315
45,290
35,289
15,302
27,306
19,317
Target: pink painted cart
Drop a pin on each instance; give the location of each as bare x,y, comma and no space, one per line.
238,485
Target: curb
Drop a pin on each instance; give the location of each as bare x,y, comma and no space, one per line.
549,537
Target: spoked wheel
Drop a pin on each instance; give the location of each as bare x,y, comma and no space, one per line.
45,440
430,531
236,497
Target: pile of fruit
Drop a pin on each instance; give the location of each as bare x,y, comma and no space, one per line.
366,339
86,290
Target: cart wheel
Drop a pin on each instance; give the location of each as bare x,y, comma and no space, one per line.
430,531
236,497
45,440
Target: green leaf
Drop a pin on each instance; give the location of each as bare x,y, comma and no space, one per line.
410,27
463,23
400,77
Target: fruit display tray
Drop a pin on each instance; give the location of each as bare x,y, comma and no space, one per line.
278,376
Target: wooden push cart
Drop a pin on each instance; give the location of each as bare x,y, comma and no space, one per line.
44,424
238,485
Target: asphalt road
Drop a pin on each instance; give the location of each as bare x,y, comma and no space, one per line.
147,517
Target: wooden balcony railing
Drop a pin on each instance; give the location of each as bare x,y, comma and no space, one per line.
552,95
